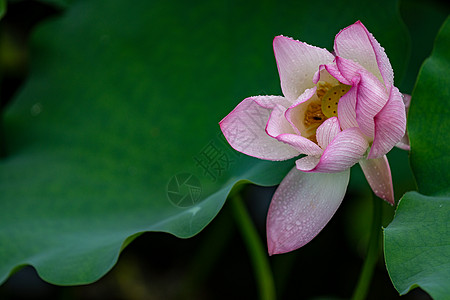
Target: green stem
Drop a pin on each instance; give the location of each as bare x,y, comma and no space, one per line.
365,277
258,254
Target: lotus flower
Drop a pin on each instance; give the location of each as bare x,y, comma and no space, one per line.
338,110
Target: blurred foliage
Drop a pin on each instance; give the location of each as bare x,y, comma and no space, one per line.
429,125
418,240
2,8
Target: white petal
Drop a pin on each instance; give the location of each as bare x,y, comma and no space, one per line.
271,101
297,63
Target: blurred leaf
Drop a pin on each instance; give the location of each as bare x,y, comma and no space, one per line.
423,20
123,100
428,121
2,8
417,242
60,3
417,245
57,3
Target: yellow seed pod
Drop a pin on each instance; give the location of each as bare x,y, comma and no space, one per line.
331,99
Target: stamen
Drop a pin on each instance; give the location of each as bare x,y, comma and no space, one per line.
314,114
312,120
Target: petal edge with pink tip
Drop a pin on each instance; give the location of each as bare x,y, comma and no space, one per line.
355,42
345,150
301,144
297,63
244,129
371,98
390,125
327,131
378,175
301,207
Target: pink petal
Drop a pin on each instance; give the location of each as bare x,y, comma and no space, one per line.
301,206
345,150
303,145
358,44
378,174
297,63
370,99
390,125
327,131
347,108
244,129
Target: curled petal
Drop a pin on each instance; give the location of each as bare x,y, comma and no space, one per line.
345,150
301,206
301,144
347,68
297,63
277,123
356,43
378,174
244,129
371,96
370,99
295,114
323,75
327,131
390,125
333,70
